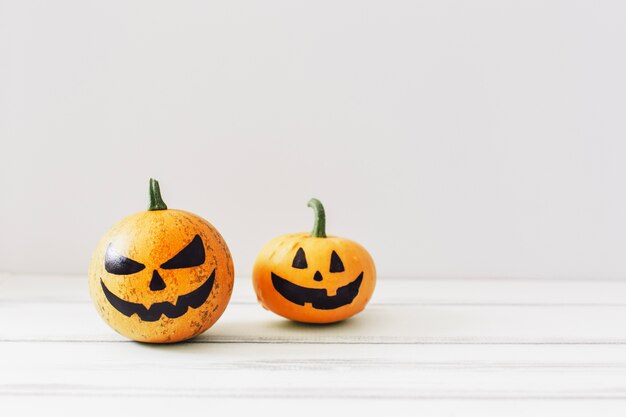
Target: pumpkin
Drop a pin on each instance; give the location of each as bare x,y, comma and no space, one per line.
161,275
314,278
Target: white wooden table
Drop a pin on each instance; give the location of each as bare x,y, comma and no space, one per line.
497,347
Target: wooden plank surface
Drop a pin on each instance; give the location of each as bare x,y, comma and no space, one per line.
440,346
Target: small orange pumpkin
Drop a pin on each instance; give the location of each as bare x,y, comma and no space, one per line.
314,278
161,275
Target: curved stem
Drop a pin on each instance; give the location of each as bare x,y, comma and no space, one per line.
319,227
156,202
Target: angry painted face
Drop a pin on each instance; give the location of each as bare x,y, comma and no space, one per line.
161,276
190,257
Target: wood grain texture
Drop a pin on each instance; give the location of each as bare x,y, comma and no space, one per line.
442,347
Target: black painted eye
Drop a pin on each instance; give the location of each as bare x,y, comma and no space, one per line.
335,263
299,261
116,264
191,255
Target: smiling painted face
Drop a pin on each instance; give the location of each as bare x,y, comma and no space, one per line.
314,278
161,276
327,297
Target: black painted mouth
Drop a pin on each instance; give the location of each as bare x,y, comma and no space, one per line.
193,299
317,297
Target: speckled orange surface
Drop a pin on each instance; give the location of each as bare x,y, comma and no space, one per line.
152,238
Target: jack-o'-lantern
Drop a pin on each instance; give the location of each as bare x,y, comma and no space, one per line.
161,275
314,278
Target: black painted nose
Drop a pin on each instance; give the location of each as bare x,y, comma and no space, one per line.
317,276
157,283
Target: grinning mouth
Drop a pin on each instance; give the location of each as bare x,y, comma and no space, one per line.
317,297
193,299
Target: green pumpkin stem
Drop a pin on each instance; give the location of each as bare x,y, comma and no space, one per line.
156,202
319,227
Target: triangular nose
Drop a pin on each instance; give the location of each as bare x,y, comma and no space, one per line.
157,283
317,276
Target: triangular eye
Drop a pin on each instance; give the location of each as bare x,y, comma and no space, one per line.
191,255
299,261
117,264
335,263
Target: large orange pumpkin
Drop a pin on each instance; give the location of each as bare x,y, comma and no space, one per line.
161,275
314,278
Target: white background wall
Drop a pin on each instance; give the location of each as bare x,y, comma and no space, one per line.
451,138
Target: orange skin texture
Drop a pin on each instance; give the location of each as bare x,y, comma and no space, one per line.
277,257
152,238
